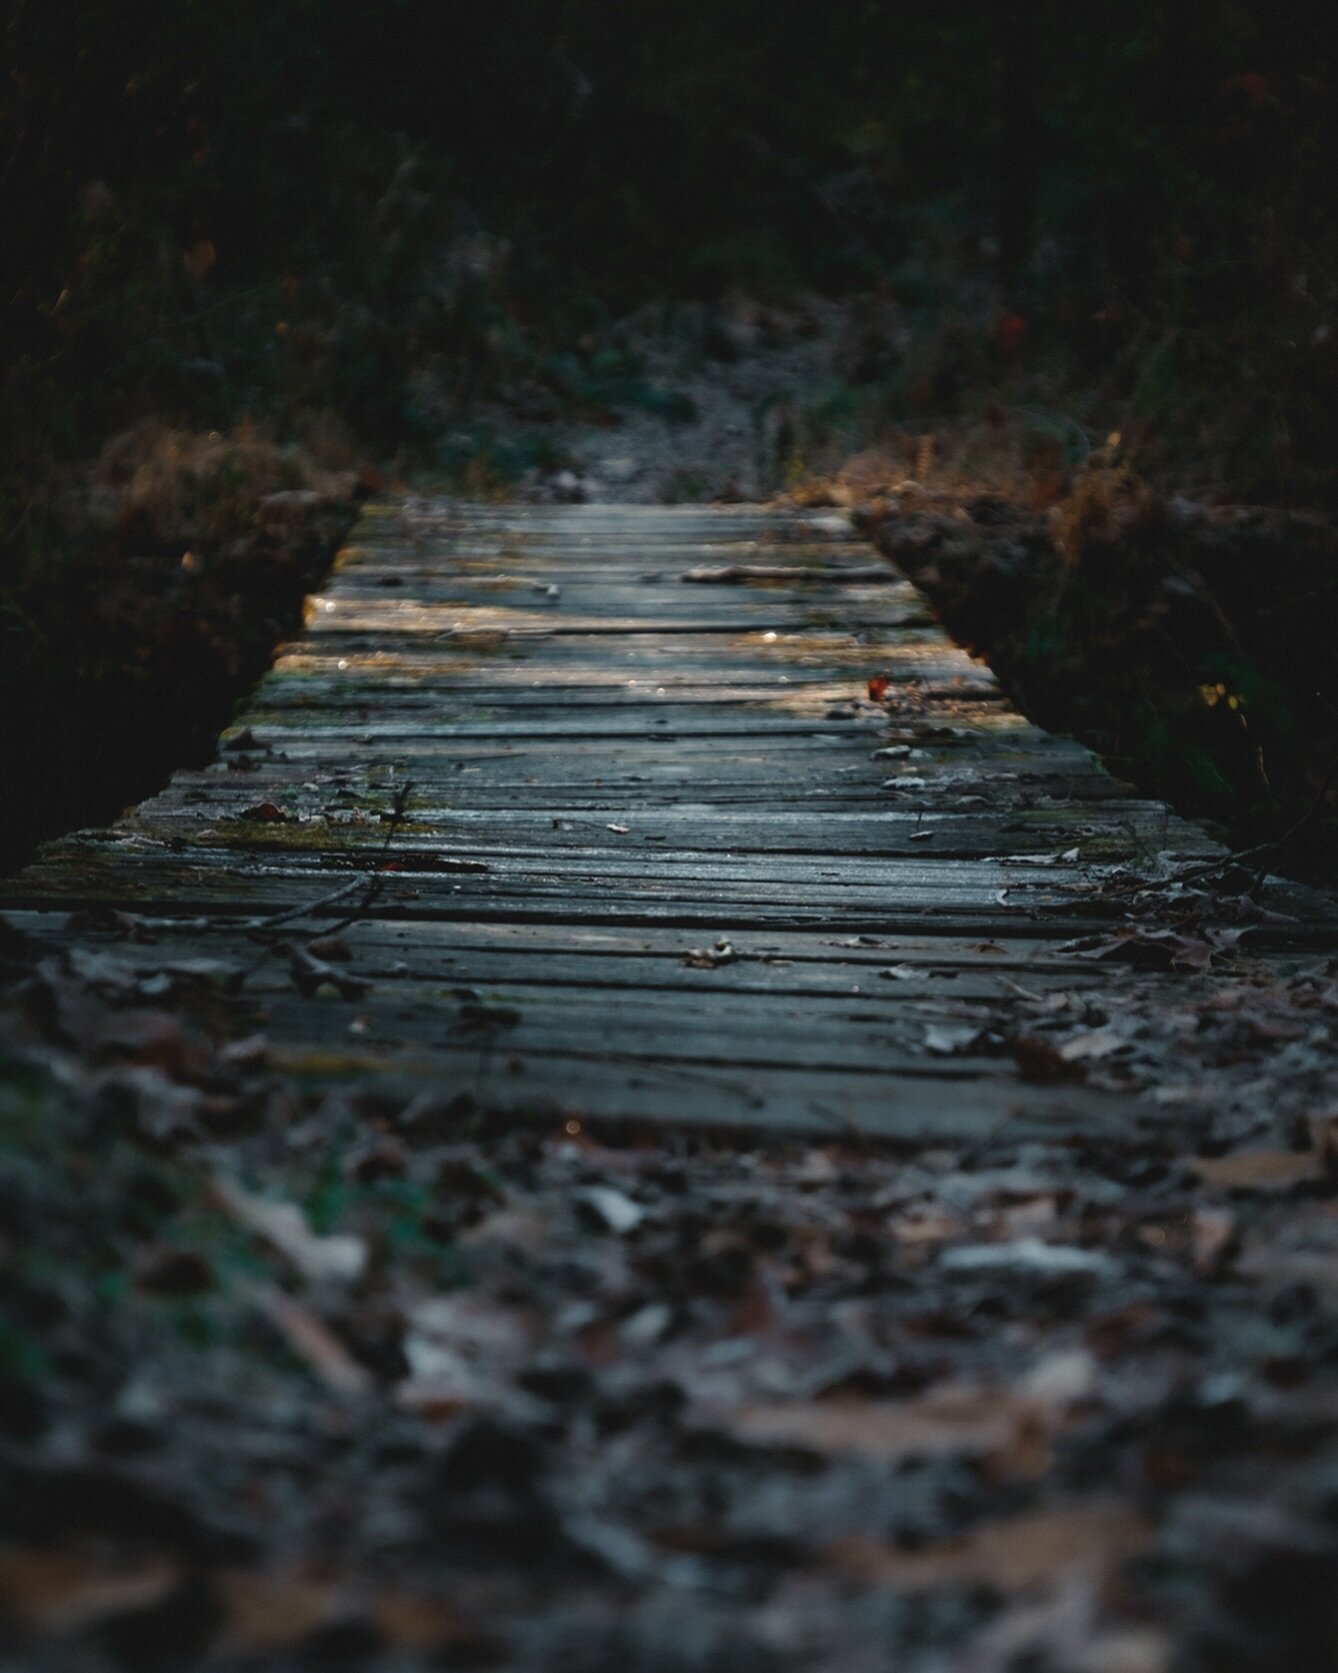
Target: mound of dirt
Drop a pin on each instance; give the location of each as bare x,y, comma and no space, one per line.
1190,645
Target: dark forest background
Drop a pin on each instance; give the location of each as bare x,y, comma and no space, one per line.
256,248
385,211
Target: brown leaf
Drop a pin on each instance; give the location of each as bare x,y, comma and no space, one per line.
410,1621
1019,1554
1042,1062
1157,949
130,1034
313,1341
949,1422
1261,1170
60,1593
142,1036
332,948
272,1611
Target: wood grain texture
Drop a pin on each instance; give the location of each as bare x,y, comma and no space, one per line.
662,860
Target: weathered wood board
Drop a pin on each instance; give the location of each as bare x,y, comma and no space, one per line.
661,859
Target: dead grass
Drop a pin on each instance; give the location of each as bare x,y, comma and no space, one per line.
1038,463
206,488
150,590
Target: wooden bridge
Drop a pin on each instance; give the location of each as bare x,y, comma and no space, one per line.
622,834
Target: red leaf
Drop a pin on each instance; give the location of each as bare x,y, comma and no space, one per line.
1011,331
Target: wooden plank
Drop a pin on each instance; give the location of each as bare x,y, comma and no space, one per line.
644,955
780,1102
675,828
605,777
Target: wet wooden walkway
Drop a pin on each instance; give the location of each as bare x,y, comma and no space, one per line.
659,858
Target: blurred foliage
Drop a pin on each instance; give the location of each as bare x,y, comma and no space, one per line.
398,211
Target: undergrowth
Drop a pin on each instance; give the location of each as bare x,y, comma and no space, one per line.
147,596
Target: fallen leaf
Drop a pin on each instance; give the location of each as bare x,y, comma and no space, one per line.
1061,1377
1040,1061
609,1210
1214,1237
284,1226
410,1621
62,1593
330,947
951,1041
250,1052
459,1349
1261,1170
647,1325
926,1223
272,1611
313,1341
152,1037
1018,1554
1156,949
427,859
1092,1046
950,1422
710,958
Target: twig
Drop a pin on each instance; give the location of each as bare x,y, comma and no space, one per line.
1261,851
1149,885
376,883
291,912
370,883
